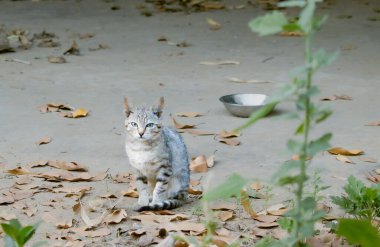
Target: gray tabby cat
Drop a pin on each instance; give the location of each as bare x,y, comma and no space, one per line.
159,157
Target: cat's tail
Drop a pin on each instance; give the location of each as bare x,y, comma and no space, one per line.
164,205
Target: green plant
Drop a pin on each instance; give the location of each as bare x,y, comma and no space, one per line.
359,231
16,234
360,201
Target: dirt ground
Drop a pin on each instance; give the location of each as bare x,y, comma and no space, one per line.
137,65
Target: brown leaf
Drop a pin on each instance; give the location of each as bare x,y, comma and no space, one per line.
267,225
108,195
72,190
208,5
237,80
194,182
18,171
55,59
336,97
182,126
6,199
78,113
73,50
368,159
193,191
199,164
280,234
68,166
226,62
220,205
101,46
377,123
214,25
115,217
125,177
55,107
58,222
86,36
230,141
266,218
343,159
343,151
65,176
86,219
152,217
256,186
130,192
162,38
225,215
189,114
228,134
245,202
197,132
85,232
48,43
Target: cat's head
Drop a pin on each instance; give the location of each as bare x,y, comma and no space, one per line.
143,123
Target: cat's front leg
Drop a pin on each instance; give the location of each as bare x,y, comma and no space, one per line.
161,187
143,190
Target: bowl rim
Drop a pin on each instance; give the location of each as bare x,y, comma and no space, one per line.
234,104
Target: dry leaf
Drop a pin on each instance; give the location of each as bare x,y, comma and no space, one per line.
222,206
189,114
108,195
226,62
54,59
267,225
130,192
44,140
229,141
80,112
65,176
101,46
277,209
368,159
68,166
208,5
343,151
336,97
48,43
210,161
72,190
377,123
58,222
266,218
182,126
343,159
228,134
194,182
162,38
197,132
115,217
18,171
237,80
85,232
155,217
73,50
123,177
86,219
245,202
256,186
292,33
55,107
193,191
198,164
6,199
86,36
214,25
225,215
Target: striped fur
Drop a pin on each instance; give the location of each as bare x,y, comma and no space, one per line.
159,158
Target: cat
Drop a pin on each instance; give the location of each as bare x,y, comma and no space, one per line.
159,159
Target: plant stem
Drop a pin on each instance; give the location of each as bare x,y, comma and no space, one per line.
305,150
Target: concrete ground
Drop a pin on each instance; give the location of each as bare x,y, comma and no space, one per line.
142,68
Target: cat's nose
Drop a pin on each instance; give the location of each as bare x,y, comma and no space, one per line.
141,134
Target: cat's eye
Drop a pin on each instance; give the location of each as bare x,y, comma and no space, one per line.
150,125
133,124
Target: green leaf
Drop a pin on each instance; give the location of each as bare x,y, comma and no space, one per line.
294,146
321,144
15,223
306,16
264,111
231,187
292,3
10,230
319,21
285,169
27,232
322,115
268,24
360,232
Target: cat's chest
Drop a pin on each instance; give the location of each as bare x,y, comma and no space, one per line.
145,159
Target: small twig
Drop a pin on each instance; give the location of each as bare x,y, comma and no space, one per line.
21,61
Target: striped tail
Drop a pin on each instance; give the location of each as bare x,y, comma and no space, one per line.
167,204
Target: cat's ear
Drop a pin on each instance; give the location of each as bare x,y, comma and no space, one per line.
158,110
127,108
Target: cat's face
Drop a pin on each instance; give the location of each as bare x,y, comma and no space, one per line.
143,123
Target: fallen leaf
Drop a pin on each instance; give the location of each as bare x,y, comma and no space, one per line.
343,151
44,140
245,202
101,46
115,216
189,114
237,80
152,217
336,97
280,234
86,219
24,41
85,232
256,186
197,132
368,159
194,182
182,126
73,50
48,43
126,177
220,205
55,59
228,134
86,36
343,159
65,176
55,107
226,62
108,195
193,191
214,25
80,112
207,5
18,171
377,123
277,209
68,166
267,225
292,33
229,141
130,192
198,164
266,218
24,180
58,222
162,38
225,215
72,190
348,47
6,199
44,35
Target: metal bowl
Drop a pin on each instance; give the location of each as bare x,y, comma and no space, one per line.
243,105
